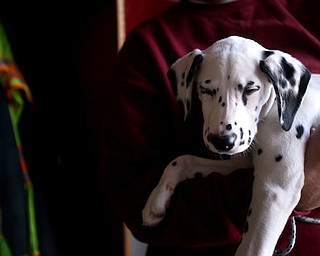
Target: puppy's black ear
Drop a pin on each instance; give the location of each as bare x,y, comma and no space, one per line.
182,75
290,79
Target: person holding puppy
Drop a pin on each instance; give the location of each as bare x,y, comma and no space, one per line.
206,216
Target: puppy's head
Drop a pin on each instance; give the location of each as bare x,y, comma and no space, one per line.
237,81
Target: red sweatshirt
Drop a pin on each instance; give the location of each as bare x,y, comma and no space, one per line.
145,128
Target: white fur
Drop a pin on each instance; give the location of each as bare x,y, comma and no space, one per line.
277,184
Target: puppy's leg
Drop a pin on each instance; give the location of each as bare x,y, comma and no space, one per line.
180,169
278,180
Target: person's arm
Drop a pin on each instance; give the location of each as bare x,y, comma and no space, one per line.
310,195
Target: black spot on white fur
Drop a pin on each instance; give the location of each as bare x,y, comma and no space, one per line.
278,158
300,131
246,227
241,133
244,99
288,71
266,54
194,68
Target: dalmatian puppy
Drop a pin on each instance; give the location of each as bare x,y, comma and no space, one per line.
258,107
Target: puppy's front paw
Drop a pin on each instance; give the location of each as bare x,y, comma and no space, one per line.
155,208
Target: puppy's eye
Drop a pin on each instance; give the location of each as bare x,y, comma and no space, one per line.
204,90
250,90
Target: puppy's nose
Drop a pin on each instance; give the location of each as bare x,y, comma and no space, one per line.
222,142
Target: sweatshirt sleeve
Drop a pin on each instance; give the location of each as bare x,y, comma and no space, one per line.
143,132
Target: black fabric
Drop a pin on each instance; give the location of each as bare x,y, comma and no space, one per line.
174,251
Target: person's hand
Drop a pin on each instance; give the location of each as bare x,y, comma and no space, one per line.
310,196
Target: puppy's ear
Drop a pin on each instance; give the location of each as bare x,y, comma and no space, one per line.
181,76
290,79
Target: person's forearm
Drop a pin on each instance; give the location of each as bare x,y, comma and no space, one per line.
310,195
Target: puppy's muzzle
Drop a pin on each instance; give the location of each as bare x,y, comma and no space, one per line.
222,142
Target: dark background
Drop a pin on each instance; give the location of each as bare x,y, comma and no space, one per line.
49,40
66,51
